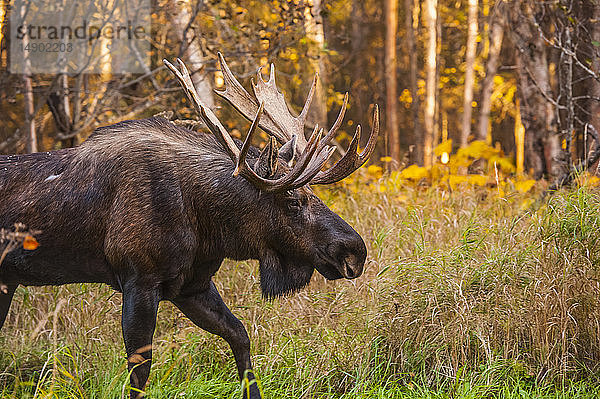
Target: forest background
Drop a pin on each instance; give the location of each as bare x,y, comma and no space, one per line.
468,291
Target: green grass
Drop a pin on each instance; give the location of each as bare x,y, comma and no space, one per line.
465,295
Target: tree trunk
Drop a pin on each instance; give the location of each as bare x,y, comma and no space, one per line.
191,49
594,84
487,87
430,14
59,104
469,73
411,49
519,139
313,26
28,100
391,29
30,132
533,81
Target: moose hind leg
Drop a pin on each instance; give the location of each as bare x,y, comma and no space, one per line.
138,322
5,300
207,310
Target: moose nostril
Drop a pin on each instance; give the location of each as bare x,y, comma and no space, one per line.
349,271
352,267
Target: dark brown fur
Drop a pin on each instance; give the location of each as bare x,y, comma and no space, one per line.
152,209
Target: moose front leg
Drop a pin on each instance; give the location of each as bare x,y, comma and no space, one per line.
139,319
6,296
207,310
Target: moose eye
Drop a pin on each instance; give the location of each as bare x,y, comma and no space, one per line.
294,204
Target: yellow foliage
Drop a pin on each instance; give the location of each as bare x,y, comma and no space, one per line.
405,97
454,181
414,172
477,180
503,163
477,149
593,181
588,180
446,146
375,171
525,185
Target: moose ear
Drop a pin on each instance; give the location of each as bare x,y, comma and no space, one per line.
266,165
288,150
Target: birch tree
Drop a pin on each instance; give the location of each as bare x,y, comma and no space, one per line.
183,16
469,72
411,24
313,25
391,28
430,16
487,86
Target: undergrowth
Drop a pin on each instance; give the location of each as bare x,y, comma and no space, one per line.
466,293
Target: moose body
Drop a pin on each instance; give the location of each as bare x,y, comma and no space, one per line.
152,209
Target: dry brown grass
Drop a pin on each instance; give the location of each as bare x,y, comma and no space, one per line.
455,283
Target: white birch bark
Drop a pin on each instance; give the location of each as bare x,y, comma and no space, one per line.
193,55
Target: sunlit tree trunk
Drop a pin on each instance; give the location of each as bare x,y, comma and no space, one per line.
430,16
519,139
29,114
411,23
183,16
391,29
28,100
313,25
487,87
469,73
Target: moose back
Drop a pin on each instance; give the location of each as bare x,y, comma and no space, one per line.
152,209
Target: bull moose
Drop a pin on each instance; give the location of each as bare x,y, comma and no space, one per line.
152,209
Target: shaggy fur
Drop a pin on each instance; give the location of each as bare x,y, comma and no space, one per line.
152,209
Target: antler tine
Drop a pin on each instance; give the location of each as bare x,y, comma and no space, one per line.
315,167
291,180
246,104
277,110
305,168
208,117
336,125
309,98
351,160
246,146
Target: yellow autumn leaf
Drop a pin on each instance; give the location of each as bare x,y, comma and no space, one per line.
30,243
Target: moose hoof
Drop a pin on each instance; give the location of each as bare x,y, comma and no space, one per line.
251,392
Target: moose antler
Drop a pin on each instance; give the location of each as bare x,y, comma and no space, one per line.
281,124
308,164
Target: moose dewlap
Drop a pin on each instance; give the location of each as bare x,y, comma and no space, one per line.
152,209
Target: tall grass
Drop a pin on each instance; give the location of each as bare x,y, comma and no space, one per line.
464,295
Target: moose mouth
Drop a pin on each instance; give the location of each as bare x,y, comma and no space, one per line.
333,269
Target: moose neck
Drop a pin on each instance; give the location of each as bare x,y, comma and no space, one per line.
226,207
